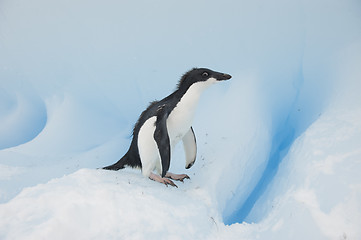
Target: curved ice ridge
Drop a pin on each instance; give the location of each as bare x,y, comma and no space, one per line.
25,118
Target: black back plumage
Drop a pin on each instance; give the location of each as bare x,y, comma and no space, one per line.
131,158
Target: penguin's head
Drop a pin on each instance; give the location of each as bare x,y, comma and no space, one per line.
202,76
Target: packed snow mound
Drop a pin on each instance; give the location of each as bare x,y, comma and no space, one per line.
98,204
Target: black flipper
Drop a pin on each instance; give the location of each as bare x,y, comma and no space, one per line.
162,139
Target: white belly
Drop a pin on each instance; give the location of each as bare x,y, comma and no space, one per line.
178,123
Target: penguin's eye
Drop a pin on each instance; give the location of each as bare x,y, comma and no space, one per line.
205,74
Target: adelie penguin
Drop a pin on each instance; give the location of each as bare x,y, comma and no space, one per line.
165,123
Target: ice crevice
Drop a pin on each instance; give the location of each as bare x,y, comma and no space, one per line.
287,125
281,143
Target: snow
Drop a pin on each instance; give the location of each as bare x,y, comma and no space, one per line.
279,145
89,202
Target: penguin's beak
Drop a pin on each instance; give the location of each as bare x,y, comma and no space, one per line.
226,76
223,77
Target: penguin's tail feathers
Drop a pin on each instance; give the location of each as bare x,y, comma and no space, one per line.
118,165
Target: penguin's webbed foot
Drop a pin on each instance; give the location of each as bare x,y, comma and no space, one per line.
163,180
177,177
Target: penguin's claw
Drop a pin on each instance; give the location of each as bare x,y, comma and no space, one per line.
177,177
170,182
164,180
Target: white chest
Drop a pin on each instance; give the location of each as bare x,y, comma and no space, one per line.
180,119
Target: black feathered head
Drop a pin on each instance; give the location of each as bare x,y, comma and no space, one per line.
203,75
